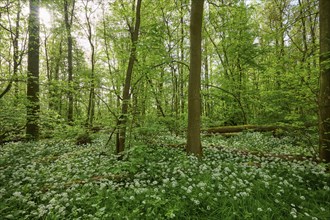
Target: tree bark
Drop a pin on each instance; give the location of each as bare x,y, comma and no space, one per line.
17,56
91,102
121,135
33,107
194,145
182,57
240,128
324,96
68,25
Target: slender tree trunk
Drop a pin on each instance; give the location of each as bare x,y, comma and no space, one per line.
194,145
16,56
324,97
54,90
160,95
68,25
33,107
91,102
181,68
121,135
206,68
48,71
158,102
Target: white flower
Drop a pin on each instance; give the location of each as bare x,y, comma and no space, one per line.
244,194
227,170
174,183
197,202
102,185
17,194
259,209
52,201
31,203
294,215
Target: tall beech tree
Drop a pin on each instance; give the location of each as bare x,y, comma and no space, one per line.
33,106
194,145
134,31
324,98
68,17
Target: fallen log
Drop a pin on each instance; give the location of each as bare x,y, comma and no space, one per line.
240,128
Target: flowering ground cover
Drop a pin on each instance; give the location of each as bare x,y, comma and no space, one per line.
58,180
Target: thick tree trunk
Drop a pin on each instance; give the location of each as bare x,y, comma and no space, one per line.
194,145
68,24
324,97
33,107
121,135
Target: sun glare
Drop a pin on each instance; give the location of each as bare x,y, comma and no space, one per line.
45,17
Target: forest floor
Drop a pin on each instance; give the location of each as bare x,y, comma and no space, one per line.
241,177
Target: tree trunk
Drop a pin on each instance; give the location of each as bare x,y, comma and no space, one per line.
33,107
324,97
91,101
182,57
206,75
121,135
17,57
68,24
54,90
194,145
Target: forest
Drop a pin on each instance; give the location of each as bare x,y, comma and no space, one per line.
167,109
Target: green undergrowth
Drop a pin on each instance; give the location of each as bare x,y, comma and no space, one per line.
266,143
59,180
